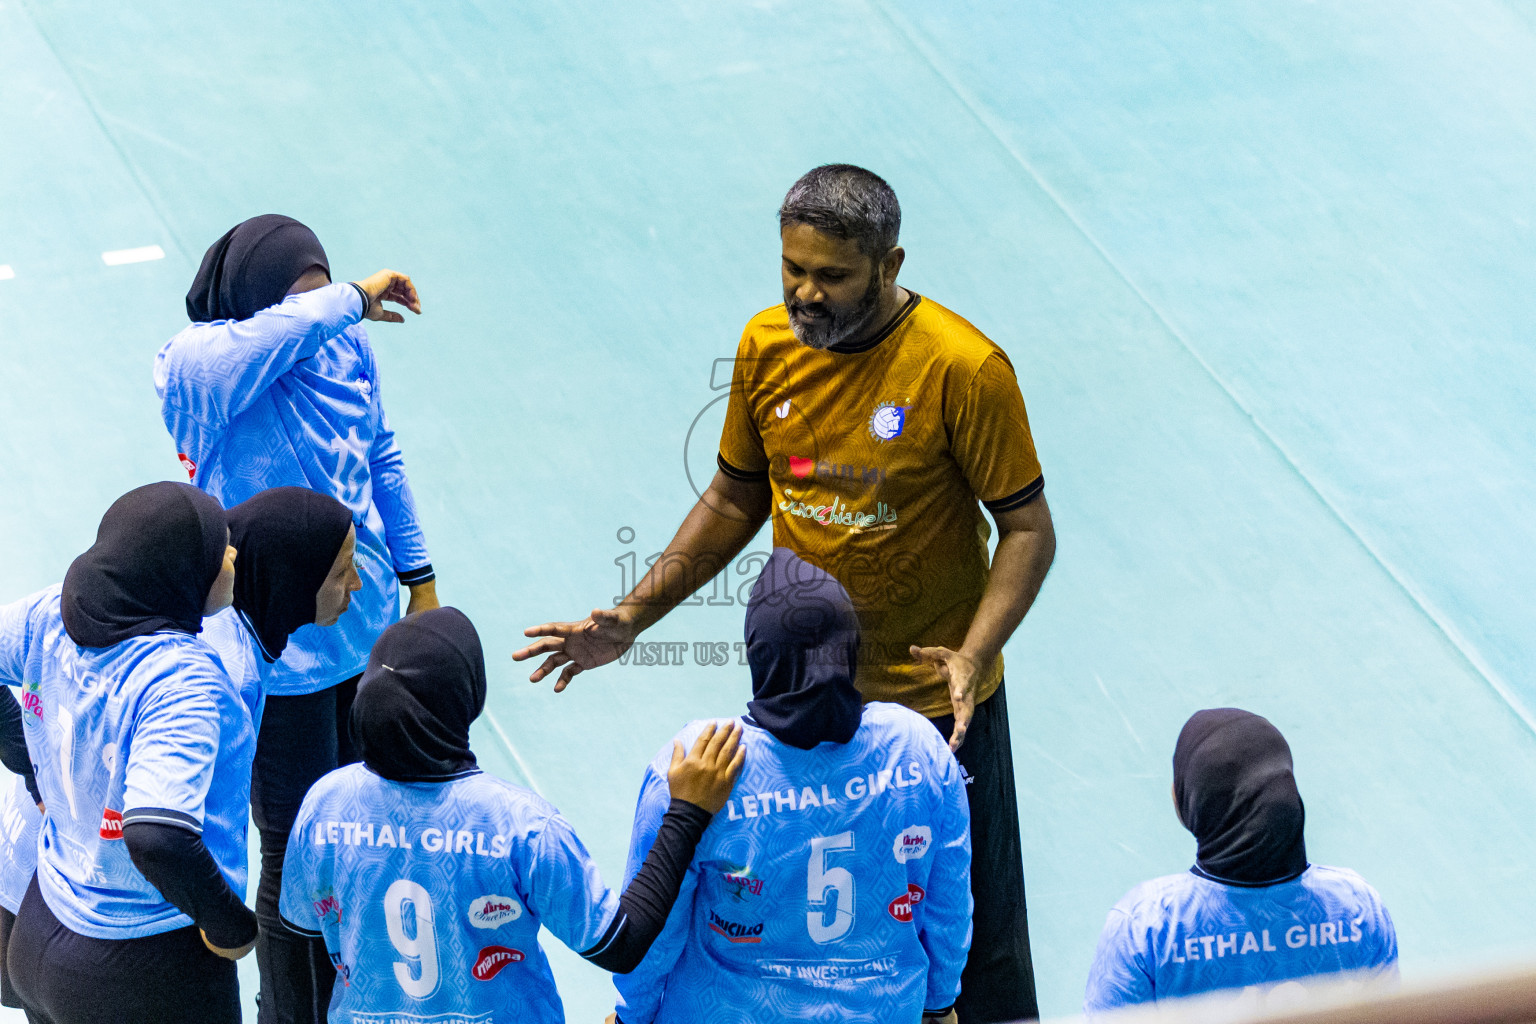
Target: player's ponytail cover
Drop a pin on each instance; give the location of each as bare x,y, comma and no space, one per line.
1236,792
803,648
424,685
158,551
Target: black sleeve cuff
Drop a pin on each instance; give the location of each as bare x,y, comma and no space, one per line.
938,1013
411,577
162,816
1019,498
297,930
750,476
361,294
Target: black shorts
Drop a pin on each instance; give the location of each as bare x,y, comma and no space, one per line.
998,983
62,977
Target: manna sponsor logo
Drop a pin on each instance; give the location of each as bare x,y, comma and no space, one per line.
901,907
492,959
111,824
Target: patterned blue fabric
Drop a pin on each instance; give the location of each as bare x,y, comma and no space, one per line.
430,896
20,822
240,653
835,885
1183,935
150,729
291,397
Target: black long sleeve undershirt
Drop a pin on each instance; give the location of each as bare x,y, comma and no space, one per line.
176,862
648,899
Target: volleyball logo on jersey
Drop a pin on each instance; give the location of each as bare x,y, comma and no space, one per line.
493,911
901,907
888,421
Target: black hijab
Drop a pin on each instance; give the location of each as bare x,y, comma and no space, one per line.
252,267
1235,790
803,647
157,552
288,539
424,685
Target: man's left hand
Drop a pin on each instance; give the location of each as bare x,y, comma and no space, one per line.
963,675
423,598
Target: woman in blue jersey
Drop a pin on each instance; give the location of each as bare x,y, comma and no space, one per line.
837,884
1252,913
274,383
143,753
428,880
296,569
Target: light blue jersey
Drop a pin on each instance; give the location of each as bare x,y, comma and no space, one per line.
291,397
150,729
20,822
233,640
429,896
1183,935
834,887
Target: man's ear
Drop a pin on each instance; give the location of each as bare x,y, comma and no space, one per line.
890,265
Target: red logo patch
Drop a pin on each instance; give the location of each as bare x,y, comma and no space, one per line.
492,959
187,464
901,906
111,824
801,467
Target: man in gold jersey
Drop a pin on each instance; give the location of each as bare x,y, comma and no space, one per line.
873,425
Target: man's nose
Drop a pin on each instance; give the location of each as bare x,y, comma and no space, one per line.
809,292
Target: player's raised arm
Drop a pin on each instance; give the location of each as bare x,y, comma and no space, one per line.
718,526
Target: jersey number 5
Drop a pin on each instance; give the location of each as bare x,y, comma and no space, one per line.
407,904
831,888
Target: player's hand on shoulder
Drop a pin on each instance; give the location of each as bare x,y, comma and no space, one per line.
600,638
389,286
704,776
227,954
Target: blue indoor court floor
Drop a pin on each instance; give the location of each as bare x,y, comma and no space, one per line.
1265,270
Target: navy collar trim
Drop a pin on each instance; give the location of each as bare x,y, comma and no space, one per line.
885,332
1199,873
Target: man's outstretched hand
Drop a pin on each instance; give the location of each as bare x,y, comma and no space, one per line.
962,675
598,639
389,286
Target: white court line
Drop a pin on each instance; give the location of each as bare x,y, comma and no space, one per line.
507,742
6,273
143,254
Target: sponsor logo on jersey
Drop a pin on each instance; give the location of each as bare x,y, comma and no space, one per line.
912,843
490,961
187,464
32,698
743,886
494,911
901,907
111,824
342,969
825,469
734,931
887,421
838,513
326,905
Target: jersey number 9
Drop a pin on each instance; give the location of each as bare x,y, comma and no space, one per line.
418,975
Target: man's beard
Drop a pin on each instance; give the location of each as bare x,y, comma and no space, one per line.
836,325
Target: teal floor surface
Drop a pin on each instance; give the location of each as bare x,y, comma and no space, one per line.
1265,270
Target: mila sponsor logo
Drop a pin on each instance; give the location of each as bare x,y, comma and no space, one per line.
733,931
492,959
912,843
901,907
494,911
111,824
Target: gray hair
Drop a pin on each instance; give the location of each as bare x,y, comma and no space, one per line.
846,202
